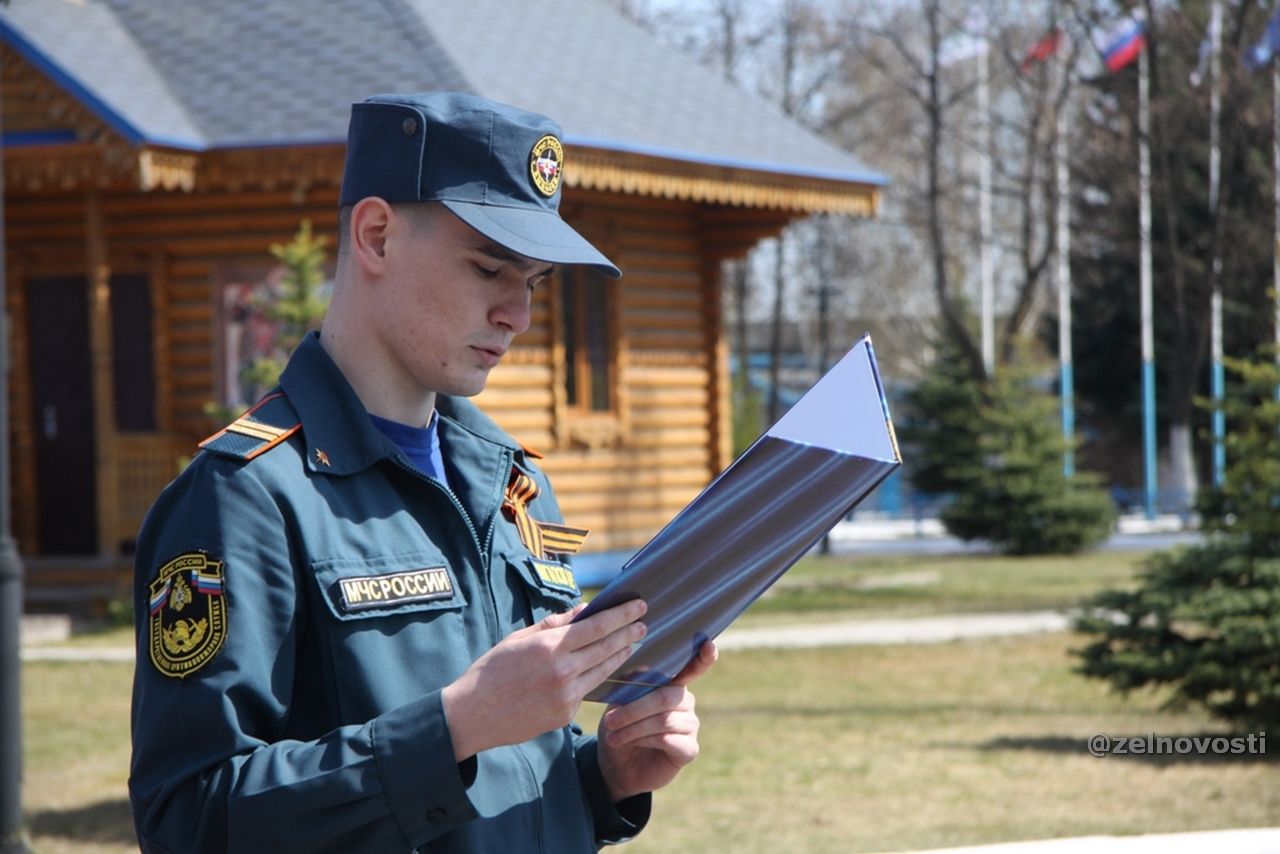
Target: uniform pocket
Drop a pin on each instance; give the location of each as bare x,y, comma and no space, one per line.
549,584
356,589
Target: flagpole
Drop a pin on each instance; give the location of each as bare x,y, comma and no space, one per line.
984,207
1216,379
1066,379
1275,192
1145,298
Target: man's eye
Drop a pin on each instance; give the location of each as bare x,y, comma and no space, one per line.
486,273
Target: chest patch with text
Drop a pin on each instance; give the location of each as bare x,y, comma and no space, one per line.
556,576
379,591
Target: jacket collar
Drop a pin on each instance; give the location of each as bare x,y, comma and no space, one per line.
339,435
466,415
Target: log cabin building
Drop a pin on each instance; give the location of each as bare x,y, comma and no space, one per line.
154,152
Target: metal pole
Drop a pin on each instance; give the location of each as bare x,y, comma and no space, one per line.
12,836
1275,192
984,208
1145,298
1066,373
1216,382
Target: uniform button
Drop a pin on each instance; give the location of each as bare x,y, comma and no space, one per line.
436,814
409,126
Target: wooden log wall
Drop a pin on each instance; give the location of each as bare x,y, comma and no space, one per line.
663,450
185,243
660,451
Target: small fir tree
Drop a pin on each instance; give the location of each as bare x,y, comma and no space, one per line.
997,449
1015,492
1205,621
297,308
942,423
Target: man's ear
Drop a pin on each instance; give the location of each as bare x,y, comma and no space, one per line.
370,219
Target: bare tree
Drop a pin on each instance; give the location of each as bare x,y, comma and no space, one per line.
905,50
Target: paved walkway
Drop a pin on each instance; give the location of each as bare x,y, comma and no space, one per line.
1264,840
77,653
939,629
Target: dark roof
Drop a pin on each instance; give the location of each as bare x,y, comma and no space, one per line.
229,74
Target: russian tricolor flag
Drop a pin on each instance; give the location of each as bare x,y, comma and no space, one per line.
156,605
210,585
1123,44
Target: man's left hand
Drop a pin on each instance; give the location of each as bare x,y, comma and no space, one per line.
644,744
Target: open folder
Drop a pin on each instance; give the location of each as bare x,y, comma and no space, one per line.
764,512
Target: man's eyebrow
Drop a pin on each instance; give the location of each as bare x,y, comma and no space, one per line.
520,262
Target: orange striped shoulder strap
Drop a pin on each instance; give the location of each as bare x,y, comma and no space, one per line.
271,420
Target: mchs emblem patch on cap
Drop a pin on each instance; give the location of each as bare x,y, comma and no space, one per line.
187,613
545,164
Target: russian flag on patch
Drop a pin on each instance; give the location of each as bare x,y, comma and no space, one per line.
210,585
157,598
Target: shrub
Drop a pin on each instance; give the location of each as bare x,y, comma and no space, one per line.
1205,621
998,449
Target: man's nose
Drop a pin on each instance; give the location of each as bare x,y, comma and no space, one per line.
513,312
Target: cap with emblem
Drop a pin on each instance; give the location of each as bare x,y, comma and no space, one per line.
497,168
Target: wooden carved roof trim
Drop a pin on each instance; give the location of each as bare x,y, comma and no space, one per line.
74,149
68,168
296,168
622,172
166,170
33,102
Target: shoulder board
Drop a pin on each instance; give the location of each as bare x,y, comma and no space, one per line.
271,420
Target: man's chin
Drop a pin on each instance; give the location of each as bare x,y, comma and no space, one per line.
468,387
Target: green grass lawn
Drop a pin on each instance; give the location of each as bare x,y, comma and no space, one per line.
842,749
76,740
920,585
899,748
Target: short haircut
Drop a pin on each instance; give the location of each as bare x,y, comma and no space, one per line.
419,215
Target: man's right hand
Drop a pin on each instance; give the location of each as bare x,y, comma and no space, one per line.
535,679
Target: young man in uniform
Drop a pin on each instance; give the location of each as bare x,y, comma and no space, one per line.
355,604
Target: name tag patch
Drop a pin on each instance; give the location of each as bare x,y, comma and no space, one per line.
379,591
557,576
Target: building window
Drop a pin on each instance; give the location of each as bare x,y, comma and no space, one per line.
587,331
132,362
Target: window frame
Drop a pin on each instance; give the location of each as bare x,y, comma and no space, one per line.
578,424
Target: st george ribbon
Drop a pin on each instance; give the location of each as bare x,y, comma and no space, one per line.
761,515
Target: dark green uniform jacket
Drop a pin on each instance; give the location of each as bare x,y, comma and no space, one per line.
300,610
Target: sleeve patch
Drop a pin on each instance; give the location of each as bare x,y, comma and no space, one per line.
186,614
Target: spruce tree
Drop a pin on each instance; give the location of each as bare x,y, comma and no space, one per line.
1205,621
298,307
996,448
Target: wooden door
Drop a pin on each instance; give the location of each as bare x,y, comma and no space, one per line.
62,411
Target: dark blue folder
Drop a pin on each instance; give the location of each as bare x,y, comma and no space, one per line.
761,515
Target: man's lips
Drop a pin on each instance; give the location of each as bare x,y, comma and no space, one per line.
491,354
